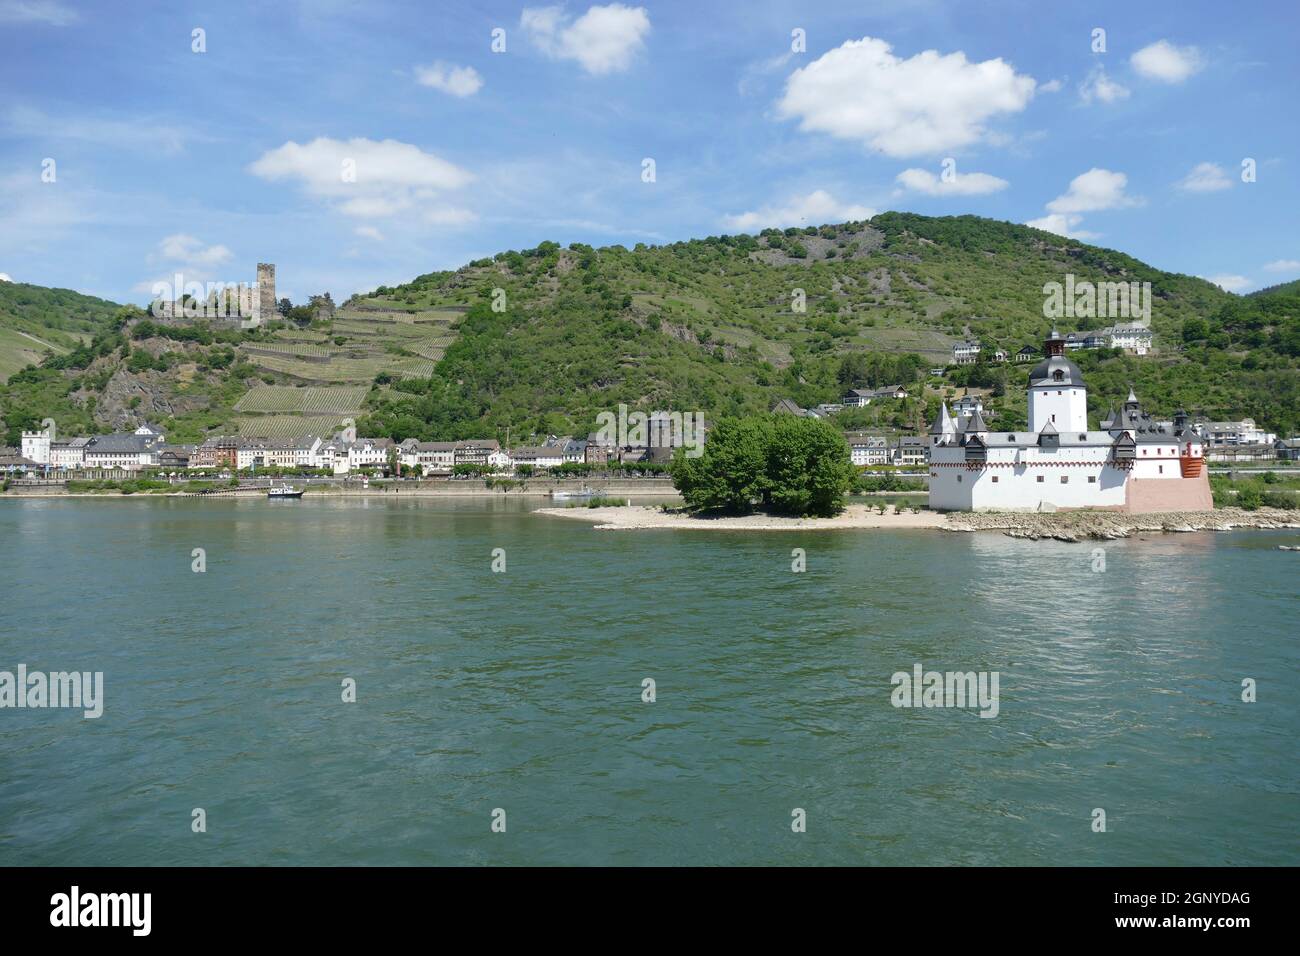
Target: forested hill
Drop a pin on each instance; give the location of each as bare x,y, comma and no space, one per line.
712,324
724,325
36,321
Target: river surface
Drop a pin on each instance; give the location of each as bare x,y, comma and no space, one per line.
522,691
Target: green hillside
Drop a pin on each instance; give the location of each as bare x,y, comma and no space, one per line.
540,341
36,322
709,325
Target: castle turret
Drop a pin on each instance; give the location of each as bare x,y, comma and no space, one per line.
943,431
1057,392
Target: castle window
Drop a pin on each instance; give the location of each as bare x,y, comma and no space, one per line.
995,479
1162,469
1092,479
1083,438
1039,479
1065,479
1011,438
959,479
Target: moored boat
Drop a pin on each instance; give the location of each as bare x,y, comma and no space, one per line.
283,491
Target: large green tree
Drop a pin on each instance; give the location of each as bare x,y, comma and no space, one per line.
782,463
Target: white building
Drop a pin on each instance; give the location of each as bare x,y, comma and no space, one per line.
543,456
866,449
69,454
911,450
428,457
1133,336
36,444
965,353
1132,463
277,452
369,453
131,452
966,406
1244,432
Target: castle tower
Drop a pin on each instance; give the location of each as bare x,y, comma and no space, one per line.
36,444
1057,392
266,291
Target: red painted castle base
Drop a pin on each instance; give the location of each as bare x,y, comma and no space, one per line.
1148,495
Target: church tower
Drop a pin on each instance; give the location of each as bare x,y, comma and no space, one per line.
1057,393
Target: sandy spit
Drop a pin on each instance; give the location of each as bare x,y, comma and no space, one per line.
635,517
1063,526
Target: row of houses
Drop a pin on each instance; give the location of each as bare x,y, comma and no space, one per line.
341,454
1134,337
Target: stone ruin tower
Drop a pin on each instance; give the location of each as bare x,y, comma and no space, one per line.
266,291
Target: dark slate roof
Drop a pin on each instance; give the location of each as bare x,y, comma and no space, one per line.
1132,419
119,445
976,422
1044,372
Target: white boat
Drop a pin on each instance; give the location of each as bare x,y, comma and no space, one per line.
283,491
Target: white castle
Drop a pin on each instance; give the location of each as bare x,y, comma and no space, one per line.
1132,464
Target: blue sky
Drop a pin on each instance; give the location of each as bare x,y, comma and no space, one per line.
168,159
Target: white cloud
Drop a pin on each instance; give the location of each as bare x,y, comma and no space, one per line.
449,216
1283,265
1205,178
1062,225
925,104
36,11
141,133
962,184
189,250
4,277
1229,282
1088,192
1101,88
455,80
368,179
1051,86
1096,189
369,232
815,209
602,40
187,255
1167,63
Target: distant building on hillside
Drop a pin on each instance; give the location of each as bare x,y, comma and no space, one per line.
966,353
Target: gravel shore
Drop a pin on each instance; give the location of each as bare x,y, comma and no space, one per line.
1060,526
